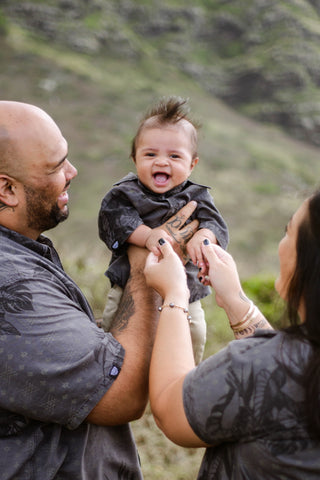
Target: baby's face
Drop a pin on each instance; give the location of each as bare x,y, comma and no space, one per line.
164,157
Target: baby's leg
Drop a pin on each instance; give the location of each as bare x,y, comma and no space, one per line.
113,300
198,330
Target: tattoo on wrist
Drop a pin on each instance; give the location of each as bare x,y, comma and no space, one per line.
259,323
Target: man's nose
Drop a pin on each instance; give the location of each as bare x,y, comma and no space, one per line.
71,171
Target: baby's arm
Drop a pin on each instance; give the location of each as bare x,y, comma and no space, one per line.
144,236
194,248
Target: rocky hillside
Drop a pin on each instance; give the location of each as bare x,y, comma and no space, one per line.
262,57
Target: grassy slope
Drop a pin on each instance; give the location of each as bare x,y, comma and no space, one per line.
256,171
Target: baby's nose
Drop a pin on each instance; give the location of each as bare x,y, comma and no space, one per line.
162,160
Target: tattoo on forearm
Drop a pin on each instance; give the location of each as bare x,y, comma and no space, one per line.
125,311
243,297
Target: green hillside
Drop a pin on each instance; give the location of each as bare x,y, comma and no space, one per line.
257,172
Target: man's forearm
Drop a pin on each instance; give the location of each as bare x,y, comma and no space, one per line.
134,327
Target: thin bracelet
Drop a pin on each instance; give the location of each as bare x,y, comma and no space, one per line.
173,305
245,318
249,320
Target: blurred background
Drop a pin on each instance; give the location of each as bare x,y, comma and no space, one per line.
251,72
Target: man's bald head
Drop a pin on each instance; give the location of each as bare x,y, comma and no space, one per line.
22,128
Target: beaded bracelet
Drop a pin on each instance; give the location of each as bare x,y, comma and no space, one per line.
173,305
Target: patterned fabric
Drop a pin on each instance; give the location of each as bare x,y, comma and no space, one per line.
130,204
55,365
248,402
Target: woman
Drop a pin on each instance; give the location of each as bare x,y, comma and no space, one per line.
255,404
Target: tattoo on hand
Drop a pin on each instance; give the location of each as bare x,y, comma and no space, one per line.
173,226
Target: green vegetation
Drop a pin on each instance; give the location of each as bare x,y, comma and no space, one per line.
3,24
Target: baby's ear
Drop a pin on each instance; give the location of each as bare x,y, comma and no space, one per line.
194,162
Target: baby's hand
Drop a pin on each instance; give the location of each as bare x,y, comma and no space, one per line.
152,242
194,249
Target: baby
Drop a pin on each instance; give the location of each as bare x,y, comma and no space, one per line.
164,151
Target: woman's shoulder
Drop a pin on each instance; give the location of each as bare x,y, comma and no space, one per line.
267,350
277,343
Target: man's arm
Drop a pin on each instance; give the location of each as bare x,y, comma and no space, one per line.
134,327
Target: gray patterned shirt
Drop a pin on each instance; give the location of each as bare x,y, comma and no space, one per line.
248,402
130,204
55,365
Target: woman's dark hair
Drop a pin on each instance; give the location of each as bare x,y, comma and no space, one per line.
305,286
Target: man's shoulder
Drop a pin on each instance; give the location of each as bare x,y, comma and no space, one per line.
9,243
21,257
14,258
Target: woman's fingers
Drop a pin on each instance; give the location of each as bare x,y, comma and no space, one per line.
152,259
166,273
214,252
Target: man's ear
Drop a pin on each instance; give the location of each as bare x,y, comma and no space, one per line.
8,194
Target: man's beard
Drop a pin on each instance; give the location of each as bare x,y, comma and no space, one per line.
41,215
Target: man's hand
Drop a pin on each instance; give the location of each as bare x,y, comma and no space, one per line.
180,232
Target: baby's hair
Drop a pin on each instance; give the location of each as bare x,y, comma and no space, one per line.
168,111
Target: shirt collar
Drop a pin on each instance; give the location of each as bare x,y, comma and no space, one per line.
42,246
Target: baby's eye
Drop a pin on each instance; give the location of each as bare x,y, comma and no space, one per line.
150,154
174,155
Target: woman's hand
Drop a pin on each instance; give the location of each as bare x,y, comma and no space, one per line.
223,274
152,242
224,278
166,274
194,248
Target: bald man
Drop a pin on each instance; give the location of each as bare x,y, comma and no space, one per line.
67,389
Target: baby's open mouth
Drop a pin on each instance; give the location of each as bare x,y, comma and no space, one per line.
160,177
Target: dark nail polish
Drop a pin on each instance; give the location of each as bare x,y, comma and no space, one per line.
206,241
161,241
